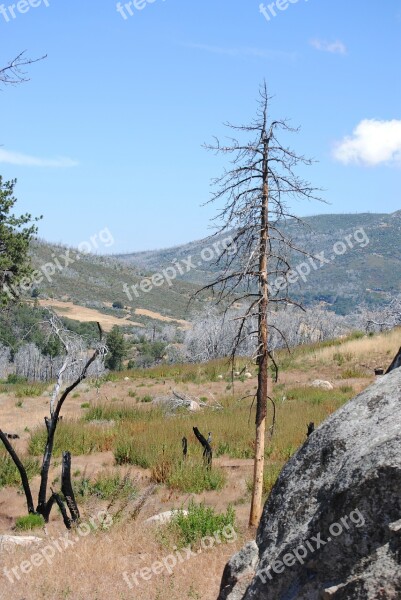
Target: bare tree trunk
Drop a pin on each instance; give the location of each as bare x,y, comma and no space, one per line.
254,189
263,352
66,486
22,472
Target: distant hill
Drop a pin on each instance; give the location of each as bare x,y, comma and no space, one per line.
362,274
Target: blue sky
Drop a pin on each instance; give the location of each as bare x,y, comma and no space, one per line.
116,115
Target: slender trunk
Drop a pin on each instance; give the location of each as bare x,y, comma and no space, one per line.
44,473
66,487
22,472
261,405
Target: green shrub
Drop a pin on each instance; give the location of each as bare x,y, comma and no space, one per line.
29,522
147,398
30,391
85,405
106,487
13,378
194,478
200,522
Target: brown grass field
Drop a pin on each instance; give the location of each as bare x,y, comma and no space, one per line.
114,431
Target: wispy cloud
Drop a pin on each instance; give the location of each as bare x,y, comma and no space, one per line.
241,52
372,143
24,160
336,47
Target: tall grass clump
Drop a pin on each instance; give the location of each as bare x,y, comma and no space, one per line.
77,437
200,522
29,522
9,474
106,486
119,412
193,478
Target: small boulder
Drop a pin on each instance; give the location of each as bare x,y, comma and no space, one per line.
164,517
324,385
194,406
9,542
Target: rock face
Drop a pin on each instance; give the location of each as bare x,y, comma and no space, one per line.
238,572
331,528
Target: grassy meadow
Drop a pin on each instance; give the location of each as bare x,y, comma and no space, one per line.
127,459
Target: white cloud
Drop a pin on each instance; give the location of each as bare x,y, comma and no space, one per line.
336,47
372,143
24,160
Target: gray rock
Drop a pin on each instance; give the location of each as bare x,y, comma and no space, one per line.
239,572
164,517
324,385
9,542
333,518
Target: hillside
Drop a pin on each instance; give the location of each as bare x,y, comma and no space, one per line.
362,274
96,282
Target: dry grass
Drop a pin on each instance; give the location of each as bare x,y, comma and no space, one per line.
94,567
374,351
87,315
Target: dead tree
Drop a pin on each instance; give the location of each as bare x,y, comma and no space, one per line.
253,270
75,359
207,449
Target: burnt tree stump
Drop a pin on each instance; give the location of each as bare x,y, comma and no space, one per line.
207,449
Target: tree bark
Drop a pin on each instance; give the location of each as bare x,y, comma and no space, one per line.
66,487
263,351
22,472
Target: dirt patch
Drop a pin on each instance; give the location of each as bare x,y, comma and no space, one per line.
85,315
